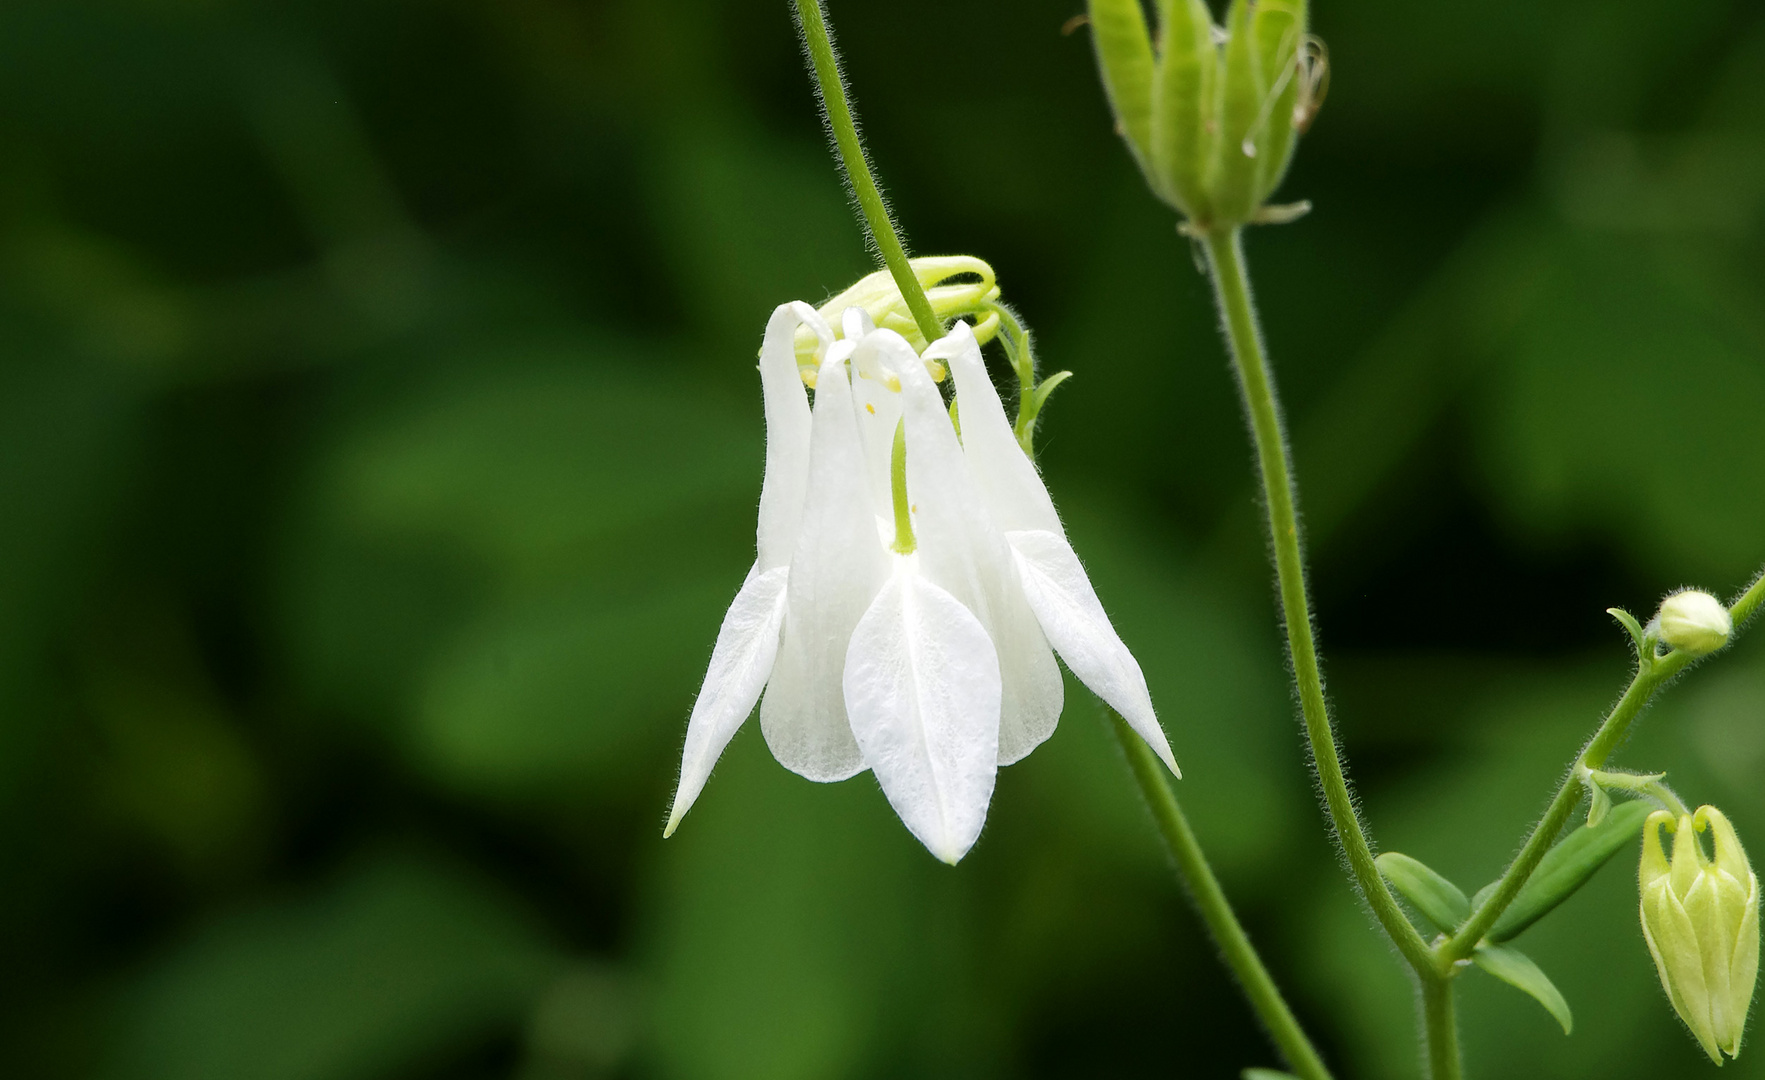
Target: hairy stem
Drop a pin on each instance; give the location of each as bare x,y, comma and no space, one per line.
1441,1020
1216,911
1225,257
831,86
1651,674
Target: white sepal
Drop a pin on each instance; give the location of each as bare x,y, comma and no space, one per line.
922,689
740,662
1080,630
785,481
963,552
1008,481
838,565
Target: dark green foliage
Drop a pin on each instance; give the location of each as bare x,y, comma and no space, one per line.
379,445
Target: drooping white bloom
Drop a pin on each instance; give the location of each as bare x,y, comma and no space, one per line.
908,587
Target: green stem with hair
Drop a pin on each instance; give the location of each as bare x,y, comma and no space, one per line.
831,86
1210,900
1216,911
1225,258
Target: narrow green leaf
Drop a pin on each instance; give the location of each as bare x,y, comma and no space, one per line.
1567,867
1515,968
1438,899
1630,624
1124,53
1046,387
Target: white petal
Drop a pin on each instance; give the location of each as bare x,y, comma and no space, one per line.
1008,481
787,431
740,663
1074,620
838,565
922,689
963,552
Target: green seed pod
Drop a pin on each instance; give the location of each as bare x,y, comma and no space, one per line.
1279,28
1235,190
1700,917
1185,104
1124,54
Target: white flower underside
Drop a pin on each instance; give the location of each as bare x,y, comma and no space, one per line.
930,669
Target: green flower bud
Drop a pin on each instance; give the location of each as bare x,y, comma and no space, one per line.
1700,917
1694,622
1212,114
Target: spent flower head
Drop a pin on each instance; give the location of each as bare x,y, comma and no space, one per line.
1211,114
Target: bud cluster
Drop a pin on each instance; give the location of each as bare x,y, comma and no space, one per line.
1212,114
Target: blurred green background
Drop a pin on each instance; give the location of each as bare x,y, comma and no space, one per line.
379,445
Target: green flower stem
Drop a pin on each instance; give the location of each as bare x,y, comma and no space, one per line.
1239,953
1651,674
1225,256
1216,911
832,87
1441,1020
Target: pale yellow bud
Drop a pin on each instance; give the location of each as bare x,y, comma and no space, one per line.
1694,622
1700,917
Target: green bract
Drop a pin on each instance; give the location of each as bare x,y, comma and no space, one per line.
1210,115
1700,916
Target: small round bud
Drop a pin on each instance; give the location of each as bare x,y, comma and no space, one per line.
1694,622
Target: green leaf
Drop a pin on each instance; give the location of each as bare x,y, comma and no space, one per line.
1515,968
1438,899
1046,387
1630,624
1567,867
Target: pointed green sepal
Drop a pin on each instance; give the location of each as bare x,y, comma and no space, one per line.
1439,900
1185,105
1515,968
1565,868
1279,27
1124,54
1244,88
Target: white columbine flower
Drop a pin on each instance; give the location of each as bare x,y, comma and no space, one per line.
907,590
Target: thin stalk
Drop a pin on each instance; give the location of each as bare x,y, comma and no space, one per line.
1216,911
1441,1020
1225,257
831,86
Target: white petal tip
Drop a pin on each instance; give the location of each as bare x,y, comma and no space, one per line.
668,829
